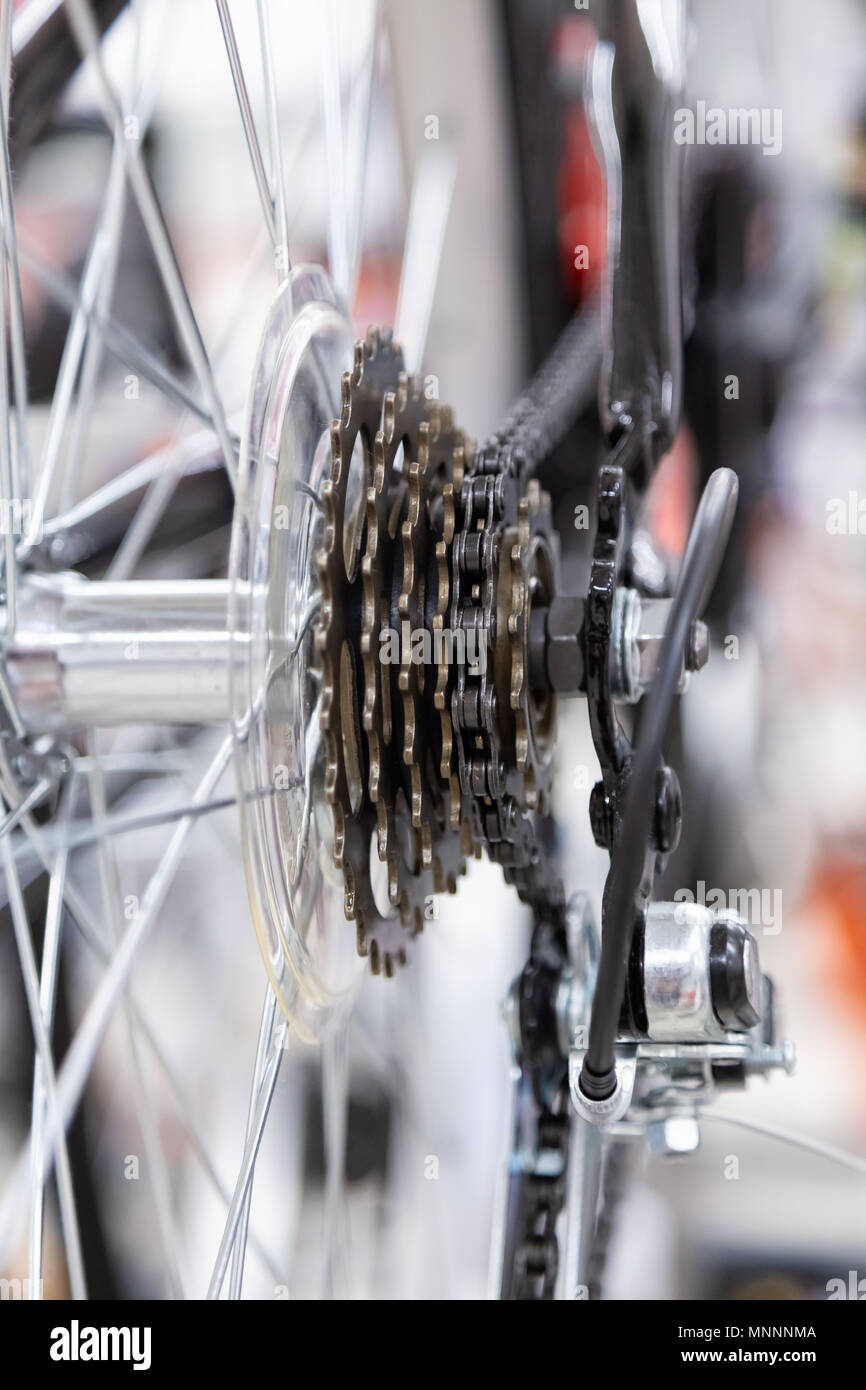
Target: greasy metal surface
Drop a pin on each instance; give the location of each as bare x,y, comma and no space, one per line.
384,748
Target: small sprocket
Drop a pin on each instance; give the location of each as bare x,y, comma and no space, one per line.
384,579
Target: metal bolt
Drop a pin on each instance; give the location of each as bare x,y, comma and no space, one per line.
638,630
668,813
600,816
675,1135
783,1058
564,657
698,648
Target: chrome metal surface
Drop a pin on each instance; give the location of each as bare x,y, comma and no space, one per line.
106,654
582,1187
676,974
638,629
613,1107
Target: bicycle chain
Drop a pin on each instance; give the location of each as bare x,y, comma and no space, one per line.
542,1190
504,549
536,1257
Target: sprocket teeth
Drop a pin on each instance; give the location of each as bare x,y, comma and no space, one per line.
387,409
430,477
533,515
376,369
394,884
349,889
339,831
426,839
464,453
445,880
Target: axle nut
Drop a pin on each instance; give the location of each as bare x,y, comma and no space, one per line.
564,653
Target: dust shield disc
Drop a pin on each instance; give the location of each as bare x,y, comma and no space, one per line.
296,894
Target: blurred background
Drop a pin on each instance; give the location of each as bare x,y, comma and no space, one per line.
770,741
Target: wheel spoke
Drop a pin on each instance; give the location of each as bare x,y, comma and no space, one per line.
47,994
281,245
68,1217
10,306
87,37
33,798
113,233
82,1051
266,1028
246,110
856,1162
168,762
5,57
94,343
161,471
145,474
153,505
21,461
7,486
90,832
157,1166
264,1087
7,699
118,339
73,349
149,513
85,923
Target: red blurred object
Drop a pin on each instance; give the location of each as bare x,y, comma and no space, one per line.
582,230
838,895
671,497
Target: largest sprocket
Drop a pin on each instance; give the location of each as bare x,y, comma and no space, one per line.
390,807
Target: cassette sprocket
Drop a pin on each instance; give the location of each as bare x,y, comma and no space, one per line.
385,579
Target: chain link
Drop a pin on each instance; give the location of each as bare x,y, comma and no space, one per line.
488,512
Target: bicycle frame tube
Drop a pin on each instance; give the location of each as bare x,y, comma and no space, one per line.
636,78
